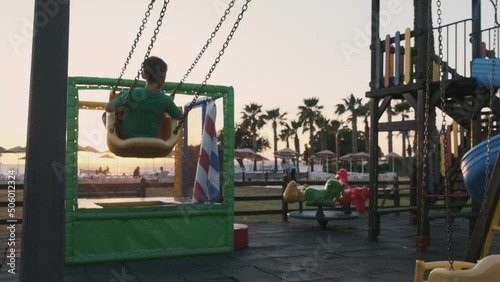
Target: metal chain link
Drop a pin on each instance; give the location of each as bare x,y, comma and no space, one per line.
426,134
134,45
490,129
150,47
495,8
214,65
212,36
445,141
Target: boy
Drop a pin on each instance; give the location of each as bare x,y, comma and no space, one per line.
143,110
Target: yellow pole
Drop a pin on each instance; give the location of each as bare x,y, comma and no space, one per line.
435,71
408,64
494,227
442,156
455,139
179,148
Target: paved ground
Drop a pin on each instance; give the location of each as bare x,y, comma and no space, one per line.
293,251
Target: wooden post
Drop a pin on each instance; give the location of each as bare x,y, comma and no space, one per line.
42,251
476,29
396,192
373,217
422,44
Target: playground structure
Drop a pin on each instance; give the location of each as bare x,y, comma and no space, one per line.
398,73
460,82
180,227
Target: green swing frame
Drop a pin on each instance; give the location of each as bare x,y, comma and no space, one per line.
125,233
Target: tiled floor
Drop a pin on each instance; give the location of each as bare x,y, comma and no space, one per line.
292,251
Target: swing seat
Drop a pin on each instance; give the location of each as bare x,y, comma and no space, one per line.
482,70
142,147
421,267
486,270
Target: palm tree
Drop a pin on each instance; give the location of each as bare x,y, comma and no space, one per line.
324,128
295,126
252,118
365,113
403,108
276,117
352,105
285,134
308,113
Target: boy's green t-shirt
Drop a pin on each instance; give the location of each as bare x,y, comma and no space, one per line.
144,114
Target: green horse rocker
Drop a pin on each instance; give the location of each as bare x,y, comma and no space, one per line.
337,192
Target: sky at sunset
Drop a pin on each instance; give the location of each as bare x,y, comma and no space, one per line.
284,51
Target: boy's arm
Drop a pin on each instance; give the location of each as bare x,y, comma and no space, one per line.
172,110
115,104
110,107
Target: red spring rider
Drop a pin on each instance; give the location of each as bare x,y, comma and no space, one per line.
352,194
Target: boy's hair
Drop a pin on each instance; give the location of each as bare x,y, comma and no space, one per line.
154,69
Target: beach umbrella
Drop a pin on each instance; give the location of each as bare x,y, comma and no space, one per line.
361,156
325,154
347,157
1,150
109,156
88,149
286,153
261,158
245,153
16,150
393,156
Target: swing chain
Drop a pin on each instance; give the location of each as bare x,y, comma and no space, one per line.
426,135
214,65
151,44
212,36
121,113
495,8
134,45
445,141
490,128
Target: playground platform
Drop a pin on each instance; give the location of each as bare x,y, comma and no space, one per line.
297,250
